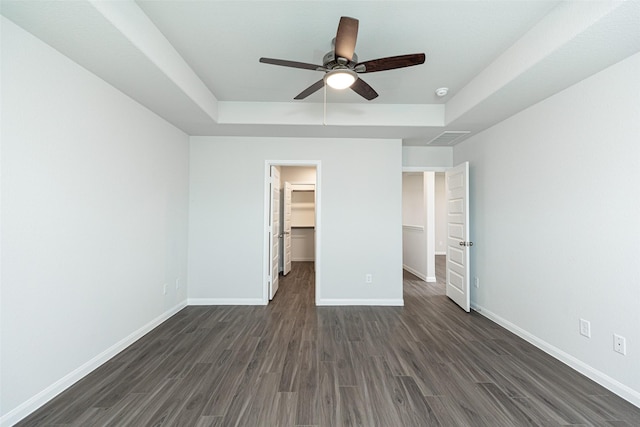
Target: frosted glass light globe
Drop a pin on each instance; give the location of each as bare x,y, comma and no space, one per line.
341,78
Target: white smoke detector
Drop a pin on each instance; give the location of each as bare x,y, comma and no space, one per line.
442,91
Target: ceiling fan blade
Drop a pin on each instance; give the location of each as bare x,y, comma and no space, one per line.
364,90
391,63
293,64
346,37
311,89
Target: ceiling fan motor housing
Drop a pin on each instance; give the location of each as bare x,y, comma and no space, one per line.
330,62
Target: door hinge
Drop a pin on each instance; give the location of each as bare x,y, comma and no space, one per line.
269,278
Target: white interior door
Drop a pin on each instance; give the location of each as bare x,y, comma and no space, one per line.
458,244
274,232
286,233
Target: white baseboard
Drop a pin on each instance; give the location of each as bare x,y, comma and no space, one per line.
371,302
29,406
413,227
431,279
226,301
625,392
441,252
415,272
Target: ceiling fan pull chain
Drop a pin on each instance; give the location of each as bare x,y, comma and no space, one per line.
324,106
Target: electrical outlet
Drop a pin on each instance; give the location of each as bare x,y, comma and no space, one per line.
585,328
476,282
619,344
368,278
164,289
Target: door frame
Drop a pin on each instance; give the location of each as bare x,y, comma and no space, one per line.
318,223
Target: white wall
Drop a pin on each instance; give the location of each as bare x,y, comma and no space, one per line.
94,221
303,244
413,211
359,226
414,243
555,211
436,157
298,174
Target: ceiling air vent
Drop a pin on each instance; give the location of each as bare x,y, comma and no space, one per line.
448,137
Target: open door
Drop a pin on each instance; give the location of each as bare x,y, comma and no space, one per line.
458,244
274,232
286,229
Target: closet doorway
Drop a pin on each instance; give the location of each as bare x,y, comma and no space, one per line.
292,220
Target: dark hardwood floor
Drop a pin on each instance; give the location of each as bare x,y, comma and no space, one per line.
293,364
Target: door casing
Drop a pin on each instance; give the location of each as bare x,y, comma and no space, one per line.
274,230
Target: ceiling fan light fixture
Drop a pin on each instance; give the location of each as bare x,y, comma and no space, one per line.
340,78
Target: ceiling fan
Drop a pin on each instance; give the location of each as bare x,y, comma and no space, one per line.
341,66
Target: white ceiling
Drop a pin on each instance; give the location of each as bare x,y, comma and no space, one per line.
195,63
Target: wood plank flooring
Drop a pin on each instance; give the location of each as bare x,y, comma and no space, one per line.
293,364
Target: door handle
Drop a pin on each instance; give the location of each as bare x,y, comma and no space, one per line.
466,243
